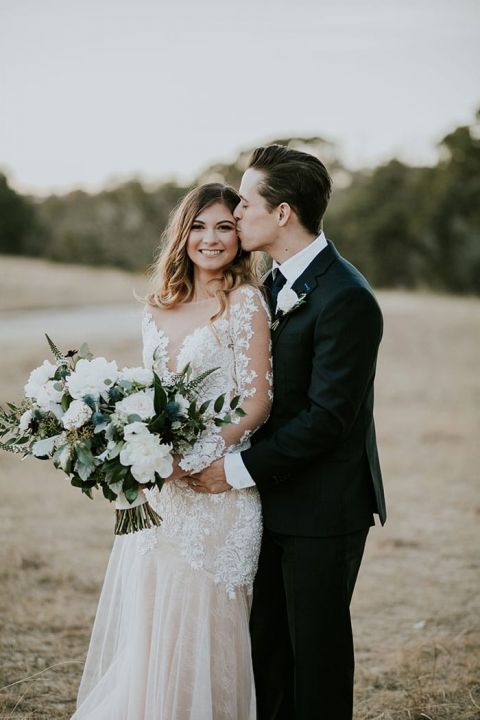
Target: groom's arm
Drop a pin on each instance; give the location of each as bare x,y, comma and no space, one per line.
347,335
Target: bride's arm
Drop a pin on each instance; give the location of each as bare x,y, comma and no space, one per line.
252,372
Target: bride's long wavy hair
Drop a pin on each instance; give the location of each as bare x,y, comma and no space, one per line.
172,274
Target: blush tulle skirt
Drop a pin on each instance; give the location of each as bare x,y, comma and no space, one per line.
168,643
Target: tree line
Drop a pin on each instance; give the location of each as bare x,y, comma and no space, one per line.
403,226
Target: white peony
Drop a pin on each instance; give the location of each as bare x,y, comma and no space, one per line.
25,421
287,299
89,377
139,403
39,377
140,375
145,454
77,415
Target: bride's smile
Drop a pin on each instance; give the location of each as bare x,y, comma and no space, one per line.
213,242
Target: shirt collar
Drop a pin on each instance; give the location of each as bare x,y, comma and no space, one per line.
298,263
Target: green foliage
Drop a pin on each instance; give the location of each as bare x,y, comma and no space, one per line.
17,220
416,227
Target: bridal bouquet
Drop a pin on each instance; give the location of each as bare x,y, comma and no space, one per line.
110,429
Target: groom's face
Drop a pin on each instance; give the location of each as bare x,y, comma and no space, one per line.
257,225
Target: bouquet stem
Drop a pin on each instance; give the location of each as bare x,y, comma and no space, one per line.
130,520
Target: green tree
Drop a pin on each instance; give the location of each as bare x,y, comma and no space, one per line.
17,219
452,204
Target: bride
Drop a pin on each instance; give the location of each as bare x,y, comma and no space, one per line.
171,639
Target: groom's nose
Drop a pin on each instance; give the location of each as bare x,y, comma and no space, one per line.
237,211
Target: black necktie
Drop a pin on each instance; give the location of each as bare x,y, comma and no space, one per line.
277,284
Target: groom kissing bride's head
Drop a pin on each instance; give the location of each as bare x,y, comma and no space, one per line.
284,195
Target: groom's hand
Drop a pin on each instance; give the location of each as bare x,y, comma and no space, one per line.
210,480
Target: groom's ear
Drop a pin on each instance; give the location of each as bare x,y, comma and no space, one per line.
284,214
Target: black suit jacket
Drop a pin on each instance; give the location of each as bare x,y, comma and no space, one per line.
315,461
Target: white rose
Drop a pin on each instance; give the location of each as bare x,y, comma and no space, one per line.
140,375
139,403
145,454
39,377
287,299
25,420
48,395
89,377
77,415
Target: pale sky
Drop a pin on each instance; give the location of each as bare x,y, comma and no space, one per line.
95,90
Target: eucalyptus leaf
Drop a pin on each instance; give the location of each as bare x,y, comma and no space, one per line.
84,471
84,455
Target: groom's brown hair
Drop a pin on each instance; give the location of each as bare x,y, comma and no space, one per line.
296,178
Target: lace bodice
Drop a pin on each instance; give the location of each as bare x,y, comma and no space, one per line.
219,534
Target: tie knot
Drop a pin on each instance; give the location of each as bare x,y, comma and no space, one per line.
278,282
279,278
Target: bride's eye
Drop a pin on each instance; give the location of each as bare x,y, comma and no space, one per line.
196,226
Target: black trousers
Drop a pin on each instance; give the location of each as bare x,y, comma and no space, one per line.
300,625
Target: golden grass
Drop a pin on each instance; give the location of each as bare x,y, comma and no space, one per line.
29,284
416,606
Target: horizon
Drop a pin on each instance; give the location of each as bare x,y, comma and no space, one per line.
97,95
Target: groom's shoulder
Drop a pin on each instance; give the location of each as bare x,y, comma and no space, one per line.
345,274
343,285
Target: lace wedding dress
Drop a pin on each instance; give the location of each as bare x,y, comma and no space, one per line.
171,637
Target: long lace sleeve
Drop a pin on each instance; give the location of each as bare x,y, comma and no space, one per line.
248,375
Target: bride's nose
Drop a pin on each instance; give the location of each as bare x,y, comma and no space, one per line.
210,236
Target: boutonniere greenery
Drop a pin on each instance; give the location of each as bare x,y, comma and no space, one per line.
287,302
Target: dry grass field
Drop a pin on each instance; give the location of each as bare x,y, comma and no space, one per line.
30,283
416,609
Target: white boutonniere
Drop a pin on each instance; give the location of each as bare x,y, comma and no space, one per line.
287,301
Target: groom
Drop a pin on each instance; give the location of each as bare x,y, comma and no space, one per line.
315,461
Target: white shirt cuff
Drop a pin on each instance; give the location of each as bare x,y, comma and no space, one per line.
236,473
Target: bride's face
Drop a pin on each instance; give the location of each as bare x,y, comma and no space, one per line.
213,241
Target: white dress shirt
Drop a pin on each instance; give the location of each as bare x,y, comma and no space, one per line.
236,473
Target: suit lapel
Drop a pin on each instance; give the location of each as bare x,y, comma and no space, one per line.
307,283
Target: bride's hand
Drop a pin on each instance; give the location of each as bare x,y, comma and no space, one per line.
177,471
